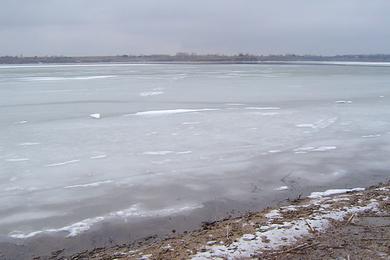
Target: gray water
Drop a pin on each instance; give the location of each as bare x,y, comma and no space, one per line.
170,138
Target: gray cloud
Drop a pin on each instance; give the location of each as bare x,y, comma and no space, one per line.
99,27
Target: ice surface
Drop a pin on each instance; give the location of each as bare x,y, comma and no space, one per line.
217,132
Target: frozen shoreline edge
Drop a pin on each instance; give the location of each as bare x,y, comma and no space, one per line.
266,231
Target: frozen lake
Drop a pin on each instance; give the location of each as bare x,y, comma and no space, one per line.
81,145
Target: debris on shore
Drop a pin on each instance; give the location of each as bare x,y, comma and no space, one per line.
335,223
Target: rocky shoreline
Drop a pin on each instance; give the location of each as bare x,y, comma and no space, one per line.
335,223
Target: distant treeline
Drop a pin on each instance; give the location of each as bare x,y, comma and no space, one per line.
185,57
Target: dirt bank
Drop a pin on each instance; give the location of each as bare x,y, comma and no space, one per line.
342,224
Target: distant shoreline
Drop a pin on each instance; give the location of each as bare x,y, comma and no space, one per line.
106,63
194,58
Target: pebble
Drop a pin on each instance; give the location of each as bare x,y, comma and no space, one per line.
264,228
248,237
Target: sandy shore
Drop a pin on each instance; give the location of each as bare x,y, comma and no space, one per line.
348,224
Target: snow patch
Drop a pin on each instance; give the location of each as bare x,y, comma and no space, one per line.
262,108
165,152
282,188
93,184
343,101
320,124
332,192
98,156
28,144
17,159
371,136
190,123
96,116
314,149
274,236
158,153
151,93
67,78
170,112
62,163
324,148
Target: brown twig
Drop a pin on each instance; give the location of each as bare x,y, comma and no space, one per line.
299,247
350,218
310,227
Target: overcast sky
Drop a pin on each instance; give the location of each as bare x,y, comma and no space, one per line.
106,27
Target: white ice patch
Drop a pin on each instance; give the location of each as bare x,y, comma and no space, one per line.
93,184
151,133
190,123
268,114
96,116
282,188
165,152
371,136
332,192
343,101
82,226
306,125
14,188
151,93
300,149
62,163
320,124
98,156
158,152
28,144
324,148
67,78
314,149
235,104
184,152
170,112
17,159
273,214
262,108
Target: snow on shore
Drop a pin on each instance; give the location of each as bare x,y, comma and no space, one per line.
279,231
